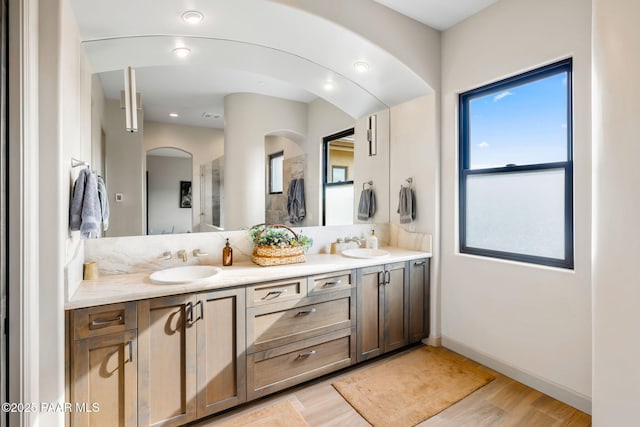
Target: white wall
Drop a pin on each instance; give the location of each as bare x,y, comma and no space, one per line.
372,168
413,43
248,119
323,119
415,153
533,319
204,144
124,173
165,214
616,208
65,132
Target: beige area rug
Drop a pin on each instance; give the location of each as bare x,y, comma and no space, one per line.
412,387
280,414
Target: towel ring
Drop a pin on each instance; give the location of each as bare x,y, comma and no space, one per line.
370,183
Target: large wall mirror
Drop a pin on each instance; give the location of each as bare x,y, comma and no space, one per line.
226,111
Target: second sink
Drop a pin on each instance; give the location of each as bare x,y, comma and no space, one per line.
365,253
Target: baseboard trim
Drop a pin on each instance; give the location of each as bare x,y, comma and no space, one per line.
433,341
557,391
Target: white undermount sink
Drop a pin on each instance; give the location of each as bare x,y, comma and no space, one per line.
185,274
365,253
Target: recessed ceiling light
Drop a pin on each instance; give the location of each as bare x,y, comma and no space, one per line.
328,86
361,66
192,17
182,52
173,114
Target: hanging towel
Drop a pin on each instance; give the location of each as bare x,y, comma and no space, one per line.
85,214
367,204
75,209
104,203
295,201
407,205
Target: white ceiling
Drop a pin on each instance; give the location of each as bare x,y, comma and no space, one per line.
291,55
438,14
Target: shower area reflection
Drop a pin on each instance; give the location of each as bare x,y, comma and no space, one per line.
212,195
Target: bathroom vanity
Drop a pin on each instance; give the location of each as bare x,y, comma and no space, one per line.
166,355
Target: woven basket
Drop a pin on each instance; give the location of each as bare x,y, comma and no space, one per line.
276,255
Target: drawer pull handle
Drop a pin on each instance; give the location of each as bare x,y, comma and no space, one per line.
102,323
333,283
306,354
130,345
189,309
201,304
419,263
275,293
305,312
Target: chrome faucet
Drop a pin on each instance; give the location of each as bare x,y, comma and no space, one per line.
165,255
182,254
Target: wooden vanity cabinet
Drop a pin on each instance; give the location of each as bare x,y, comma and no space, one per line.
299,329
383,314
167,361
103,365
418,300
192,359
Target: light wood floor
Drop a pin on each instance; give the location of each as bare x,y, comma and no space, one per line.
502,402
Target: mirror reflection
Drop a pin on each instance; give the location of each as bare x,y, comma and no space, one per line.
246,157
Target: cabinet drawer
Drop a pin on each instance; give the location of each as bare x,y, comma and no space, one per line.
283,290
331,282
282,367
103,320
283,326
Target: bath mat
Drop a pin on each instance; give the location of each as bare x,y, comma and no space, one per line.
280,414
413,387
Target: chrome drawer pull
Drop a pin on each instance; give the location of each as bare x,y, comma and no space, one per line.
305,312
276,293
419,263
333,283
98,322
306,354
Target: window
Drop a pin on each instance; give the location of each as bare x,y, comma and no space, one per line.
337,181
275,172
516,168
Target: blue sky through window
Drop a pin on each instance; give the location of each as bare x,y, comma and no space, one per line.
524,125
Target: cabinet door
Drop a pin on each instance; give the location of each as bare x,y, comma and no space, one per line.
370,312
220,326
396,306
418,300
167,362
104,373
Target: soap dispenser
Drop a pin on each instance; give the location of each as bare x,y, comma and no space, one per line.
227,254
372,241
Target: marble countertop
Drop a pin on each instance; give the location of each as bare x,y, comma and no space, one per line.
115,288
